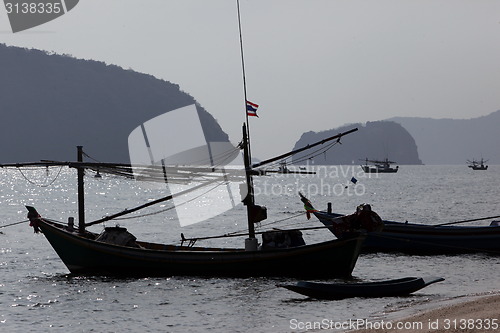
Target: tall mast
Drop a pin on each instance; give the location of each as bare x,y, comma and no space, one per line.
251,243
244,80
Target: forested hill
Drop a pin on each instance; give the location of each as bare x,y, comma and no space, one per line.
375,140
51,103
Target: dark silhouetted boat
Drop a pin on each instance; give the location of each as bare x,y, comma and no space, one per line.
117,252
421,239
336,291
284,169
477,165
377,166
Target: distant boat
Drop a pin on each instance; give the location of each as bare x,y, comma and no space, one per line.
284,169
475,165
336,291
377,166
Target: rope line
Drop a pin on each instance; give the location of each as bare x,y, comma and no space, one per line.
40,185
321,150
465,221
170,208
259,226
11,224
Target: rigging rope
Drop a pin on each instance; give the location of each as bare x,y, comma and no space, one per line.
93,159
260,226
317,152
169,208
154,202
284,219
246,233
41,185
11,224
465,221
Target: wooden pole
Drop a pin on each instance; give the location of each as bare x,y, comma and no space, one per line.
249,199
244,79
251,241
81,192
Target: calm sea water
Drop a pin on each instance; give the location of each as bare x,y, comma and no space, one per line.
38,294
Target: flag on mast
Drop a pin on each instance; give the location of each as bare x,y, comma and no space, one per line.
252,109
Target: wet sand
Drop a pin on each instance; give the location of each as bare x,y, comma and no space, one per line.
479,314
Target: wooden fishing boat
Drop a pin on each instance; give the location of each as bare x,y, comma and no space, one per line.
336,291
421,239
116,252
478,165
377,166
284,169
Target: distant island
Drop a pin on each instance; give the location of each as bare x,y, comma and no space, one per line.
413,140
375,140
454,141
51,103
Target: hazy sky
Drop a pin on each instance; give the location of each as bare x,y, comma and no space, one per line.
311,64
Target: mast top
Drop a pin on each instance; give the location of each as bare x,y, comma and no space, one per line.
244,78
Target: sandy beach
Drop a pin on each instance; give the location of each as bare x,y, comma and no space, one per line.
479,314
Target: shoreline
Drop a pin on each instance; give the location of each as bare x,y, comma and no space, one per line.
470,313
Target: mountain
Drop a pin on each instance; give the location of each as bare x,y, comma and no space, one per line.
375,140
51,103
453,141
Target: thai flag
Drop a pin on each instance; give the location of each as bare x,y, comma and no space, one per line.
252,109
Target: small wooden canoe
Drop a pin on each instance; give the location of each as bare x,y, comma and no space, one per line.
388,288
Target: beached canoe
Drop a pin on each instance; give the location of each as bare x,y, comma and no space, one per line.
387,288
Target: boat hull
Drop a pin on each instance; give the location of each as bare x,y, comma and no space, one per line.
422,239
84,255
335,291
